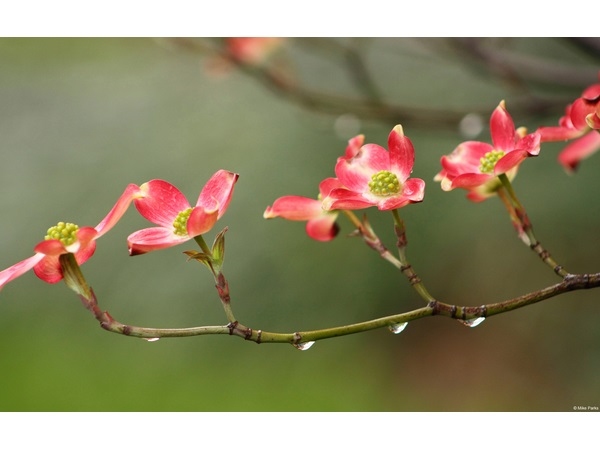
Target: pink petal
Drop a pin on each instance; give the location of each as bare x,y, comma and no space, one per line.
49,270
579,111
201,221
470,180
591,93
292,207
553,134
323,228
392,203
444,180
329,184
52,247
346,199
219,189
354,146
150,239
414,189
131,192
85,252
465,158
502,129
161,202
476,196
530,143
578,150
18,269
356,173
402,153
510,160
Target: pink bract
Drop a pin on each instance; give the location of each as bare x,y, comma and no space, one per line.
580,122
320,224
357,170
45,263
353,147
585,112
475,166
252,50
162,203
578,150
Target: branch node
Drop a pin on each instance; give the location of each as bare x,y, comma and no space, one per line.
258,336
297,338
453,310
483,311
433,304
247,333
232,326
413,278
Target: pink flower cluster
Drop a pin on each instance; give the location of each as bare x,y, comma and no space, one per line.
367,175
475,166
158,201
581,123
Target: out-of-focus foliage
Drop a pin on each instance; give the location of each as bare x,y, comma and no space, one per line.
82,118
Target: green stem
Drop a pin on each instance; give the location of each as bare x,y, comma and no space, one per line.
402,264
513,215
522,222
220,282
202,243
406,267
371,239
76,281
223,290
461,313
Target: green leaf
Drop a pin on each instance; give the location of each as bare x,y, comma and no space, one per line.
201,257
218,248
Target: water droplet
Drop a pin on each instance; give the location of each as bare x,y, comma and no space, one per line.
398,328
304,345
473,322
154,339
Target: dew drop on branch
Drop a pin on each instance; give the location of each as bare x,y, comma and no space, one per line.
154,339
398,328
473,322
304,345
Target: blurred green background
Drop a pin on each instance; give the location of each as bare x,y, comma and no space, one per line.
82,118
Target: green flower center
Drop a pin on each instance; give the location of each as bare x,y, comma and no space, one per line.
180,222
489,160
384,183
66,233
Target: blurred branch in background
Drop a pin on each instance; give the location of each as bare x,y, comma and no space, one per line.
534,84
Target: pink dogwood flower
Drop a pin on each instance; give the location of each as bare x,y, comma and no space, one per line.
475,166
581,122
320,224
68,238
252,50
164,205
373,176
